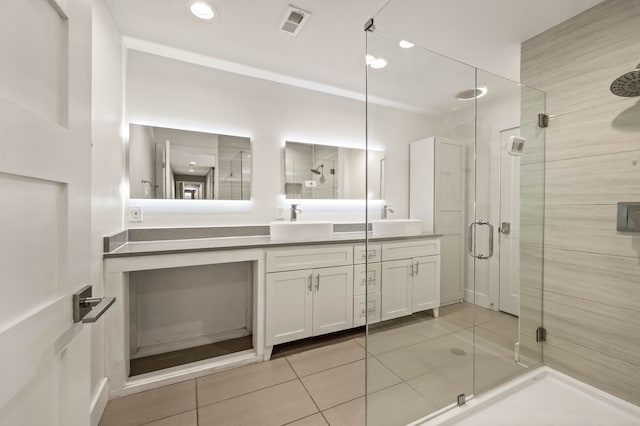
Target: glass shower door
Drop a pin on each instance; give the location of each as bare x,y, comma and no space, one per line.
420,351
464,155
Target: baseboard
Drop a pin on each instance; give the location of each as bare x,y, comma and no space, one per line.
99,401
477,298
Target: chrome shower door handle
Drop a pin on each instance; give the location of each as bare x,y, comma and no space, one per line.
470,239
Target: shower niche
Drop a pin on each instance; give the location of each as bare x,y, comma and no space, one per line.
183,315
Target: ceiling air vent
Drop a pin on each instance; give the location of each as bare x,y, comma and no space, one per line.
294,19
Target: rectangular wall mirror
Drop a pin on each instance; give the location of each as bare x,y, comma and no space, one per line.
186,165
315,171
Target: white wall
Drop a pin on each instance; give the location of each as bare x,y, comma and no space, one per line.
169,93
107,168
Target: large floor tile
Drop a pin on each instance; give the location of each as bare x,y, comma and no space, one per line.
442,387
396,406
337,385
327,357
230,383
190,418
436,327
379,376
273,406
341,384
476,314
314,420
145,407
505,342
422,358
492,370
348,414
387,340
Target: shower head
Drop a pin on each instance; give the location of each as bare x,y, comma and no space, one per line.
627,85
317,171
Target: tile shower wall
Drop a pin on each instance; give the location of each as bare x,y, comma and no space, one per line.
591,272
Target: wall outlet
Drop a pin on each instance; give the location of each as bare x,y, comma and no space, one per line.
135,214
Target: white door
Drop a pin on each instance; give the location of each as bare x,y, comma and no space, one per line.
397,292
45,169
426,283
332,299
289,306
509,226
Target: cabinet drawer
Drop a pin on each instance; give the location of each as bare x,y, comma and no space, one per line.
360,307
409,249
366,284
305,257
361,254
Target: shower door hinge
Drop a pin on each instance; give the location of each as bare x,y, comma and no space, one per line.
462,399
368,26
543,120
541,334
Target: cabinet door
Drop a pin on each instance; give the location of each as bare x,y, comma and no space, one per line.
397,292
289,306
426,283
332,299
366,282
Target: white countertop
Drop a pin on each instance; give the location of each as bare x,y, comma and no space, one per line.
142,248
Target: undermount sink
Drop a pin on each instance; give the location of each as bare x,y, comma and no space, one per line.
300,231
396,227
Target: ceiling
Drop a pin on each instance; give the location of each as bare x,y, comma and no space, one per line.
330,48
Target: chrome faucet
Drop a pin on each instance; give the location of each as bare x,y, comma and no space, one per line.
386,210
295,211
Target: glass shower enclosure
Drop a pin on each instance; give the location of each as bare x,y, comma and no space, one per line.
469,163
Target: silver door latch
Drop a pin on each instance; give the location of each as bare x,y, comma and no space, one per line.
505,228
87,308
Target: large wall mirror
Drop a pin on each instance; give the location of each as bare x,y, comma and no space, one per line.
187,165
315,171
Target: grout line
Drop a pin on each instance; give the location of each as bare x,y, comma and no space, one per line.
162,418
302,418
308,393
247,393
326,369
291,367
311,397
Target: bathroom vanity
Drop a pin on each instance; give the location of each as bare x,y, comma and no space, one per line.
275,292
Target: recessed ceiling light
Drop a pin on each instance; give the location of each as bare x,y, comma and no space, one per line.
192,163
369,59
191,170
469,94
202,9
406,44
379,63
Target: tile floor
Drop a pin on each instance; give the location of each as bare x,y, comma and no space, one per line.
416,365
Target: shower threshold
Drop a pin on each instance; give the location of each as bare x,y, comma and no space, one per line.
543,396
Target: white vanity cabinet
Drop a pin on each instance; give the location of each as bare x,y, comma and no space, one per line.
410,278
308,302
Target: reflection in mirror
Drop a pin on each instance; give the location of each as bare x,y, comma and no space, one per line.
315,171
202,166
